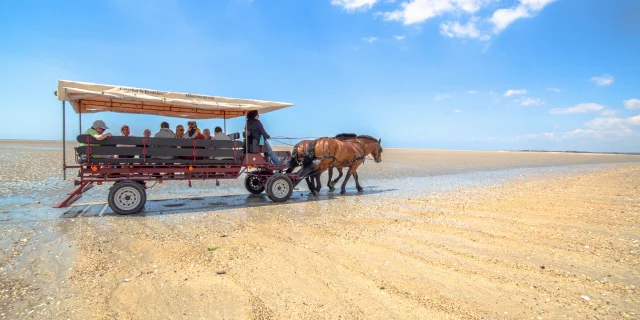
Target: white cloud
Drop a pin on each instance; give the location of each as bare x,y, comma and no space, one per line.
458,111
556,90
416,11
546,135
443,96
611,128
353,5
633,104
605,123
455,29
580,108
399,37
609,113
502,18
531,102
370,39
472,92
515,92
603,80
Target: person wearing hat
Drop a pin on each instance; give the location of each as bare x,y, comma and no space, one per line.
193,131
97,131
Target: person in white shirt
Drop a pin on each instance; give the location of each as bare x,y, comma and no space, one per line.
219,135
126,132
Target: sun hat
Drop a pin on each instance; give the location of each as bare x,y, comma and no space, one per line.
100,124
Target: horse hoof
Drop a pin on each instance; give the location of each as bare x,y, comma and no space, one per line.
332,189
361,190
343,192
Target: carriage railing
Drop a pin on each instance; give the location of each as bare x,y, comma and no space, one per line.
169,151
123,150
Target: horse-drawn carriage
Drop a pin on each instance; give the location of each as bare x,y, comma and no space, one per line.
129,163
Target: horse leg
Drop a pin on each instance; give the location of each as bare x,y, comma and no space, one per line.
355,177
333,183
312,188
318,183
344,183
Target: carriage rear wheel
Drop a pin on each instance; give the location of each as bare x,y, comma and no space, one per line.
279,188
127,197
254,184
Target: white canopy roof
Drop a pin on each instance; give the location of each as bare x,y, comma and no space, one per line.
90,98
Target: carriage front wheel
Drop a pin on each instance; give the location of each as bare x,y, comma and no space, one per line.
254,184
279,188
127,197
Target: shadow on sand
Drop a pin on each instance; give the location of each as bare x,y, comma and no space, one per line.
214,203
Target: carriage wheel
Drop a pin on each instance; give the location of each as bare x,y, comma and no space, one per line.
127,197
279,188
254,184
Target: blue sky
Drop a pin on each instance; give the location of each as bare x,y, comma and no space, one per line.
434,74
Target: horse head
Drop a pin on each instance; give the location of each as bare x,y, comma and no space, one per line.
377,152
309,162
372,146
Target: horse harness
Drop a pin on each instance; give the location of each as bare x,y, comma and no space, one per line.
355,159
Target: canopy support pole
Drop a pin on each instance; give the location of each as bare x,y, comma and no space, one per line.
224,114
246,140
79,118
64,145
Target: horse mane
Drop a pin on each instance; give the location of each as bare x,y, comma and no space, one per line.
346,135
364,136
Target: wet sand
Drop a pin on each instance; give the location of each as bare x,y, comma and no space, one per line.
436,234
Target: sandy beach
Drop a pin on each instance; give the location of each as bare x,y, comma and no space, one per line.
436,235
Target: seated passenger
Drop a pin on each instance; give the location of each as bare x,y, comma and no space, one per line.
146,134
193,130
256,130
207,134
125,133
97,132
179,131
164,132
219,135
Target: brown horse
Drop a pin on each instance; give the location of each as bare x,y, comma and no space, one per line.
325,153
297,157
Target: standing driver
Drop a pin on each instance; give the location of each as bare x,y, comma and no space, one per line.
256,130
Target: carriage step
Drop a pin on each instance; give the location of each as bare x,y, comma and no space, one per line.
89,186
67,202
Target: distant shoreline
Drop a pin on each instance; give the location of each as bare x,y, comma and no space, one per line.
71,142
